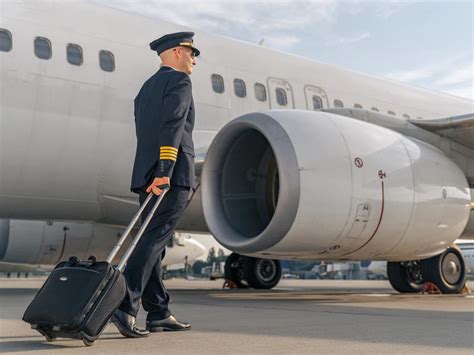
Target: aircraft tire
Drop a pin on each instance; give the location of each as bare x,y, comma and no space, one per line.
262,273
233,269
446,270
403,278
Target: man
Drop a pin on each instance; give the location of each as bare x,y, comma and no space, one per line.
164,120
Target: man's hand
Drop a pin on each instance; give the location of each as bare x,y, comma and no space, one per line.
158,181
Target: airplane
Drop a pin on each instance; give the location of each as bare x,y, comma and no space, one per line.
296,159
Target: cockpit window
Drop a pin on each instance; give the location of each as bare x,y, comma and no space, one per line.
74,54
107,61
5,40
43,48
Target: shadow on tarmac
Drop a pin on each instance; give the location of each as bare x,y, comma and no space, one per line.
39,343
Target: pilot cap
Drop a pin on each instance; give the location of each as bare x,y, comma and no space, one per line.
171,40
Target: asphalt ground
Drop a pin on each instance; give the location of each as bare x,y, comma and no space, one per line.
297,317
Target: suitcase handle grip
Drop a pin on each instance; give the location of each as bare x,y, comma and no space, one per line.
92,259
73,261
129,228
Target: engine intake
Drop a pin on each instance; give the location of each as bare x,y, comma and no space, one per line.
251,184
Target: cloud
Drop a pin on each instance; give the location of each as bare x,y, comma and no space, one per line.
381,8
410,76
386,9
209,15
348,40
457,76
452,76
281,22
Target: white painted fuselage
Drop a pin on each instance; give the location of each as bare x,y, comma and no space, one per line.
67,131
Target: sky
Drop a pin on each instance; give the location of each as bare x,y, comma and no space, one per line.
422,43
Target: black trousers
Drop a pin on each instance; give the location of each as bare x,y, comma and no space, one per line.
143,270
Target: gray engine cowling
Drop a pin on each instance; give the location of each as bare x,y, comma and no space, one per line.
301,184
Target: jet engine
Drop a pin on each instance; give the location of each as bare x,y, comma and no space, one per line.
300,184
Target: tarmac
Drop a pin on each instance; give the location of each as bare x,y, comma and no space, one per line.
297,317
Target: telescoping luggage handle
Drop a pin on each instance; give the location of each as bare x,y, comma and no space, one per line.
135,241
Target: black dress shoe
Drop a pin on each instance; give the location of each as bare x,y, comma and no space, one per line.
125,323
169,324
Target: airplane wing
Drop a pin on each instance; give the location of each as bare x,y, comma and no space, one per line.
459,129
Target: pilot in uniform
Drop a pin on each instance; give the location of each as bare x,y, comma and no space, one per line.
164,121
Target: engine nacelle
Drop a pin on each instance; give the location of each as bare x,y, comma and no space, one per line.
301,184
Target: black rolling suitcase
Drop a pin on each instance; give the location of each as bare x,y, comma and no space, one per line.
79,297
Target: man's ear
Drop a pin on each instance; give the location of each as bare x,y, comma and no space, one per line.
177,52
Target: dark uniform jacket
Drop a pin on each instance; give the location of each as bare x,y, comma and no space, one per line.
164,120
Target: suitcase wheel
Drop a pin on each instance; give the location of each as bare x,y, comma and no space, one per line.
88,342
49,339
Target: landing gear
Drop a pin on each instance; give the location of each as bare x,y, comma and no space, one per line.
257,273
405,277
446,271
262,273
233,269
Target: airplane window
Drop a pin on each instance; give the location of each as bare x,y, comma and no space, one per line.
74,54
375,109
42,48
281,97
217,83
391,113
106,60
406,116
5,40
239,88
338,103
317,103
357,106
260,92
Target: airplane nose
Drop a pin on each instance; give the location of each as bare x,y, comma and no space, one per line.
198,249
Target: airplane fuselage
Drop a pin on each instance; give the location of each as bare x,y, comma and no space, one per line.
67,131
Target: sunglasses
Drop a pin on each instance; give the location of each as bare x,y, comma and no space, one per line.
191,54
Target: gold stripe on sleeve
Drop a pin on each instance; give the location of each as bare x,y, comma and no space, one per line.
168,151
167,157
169,148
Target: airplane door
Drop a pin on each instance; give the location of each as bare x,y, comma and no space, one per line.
280,94
316,98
